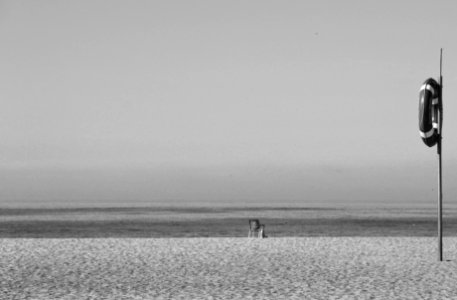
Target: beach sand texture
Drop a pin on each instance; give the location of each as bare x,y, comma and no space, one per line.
228,268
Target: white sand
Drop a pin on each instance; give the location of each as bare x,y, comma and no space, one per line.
227,268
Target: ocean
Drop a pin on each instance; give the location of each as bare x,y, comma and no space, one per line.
229,221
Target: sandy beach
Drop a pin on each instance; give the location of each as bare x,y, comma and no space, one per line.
228,268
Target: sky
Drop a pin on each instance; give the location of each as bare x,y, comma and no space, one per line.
222,102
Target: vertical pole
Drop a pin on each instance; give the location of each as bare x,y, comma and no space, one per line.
440,183
440,205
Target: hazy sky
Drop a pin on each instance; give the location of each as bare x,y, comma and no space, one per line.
224,101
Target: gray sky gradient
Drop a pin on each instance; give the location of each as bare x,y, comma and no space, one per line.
224,101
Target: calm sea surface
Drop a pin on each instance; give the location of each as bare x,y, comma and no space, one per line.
206,221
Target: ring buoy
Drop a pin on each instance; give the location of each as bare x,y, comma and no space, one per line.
430,115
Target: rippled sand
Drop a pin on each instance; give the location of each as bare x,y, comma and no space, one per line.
227,268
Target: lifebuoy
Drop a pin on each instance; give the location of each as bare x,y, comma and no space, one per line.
430,115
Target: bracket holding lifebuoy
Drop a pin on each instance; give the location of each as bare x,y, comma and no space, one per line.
430,112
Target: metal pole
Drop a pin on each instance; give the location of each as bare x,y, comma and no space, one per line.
440,182
440,205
